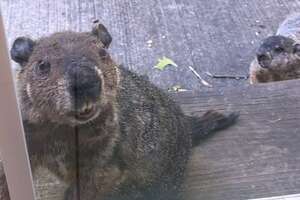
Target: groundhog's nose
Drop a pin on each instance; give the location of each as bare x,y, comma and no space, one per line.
85,85
264,59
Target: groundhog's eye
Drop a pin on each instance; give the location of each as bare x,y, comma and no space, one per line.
43,67
278,49
297,49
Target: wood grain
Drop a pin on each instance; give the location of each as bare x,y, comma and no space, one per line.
258,157
216,36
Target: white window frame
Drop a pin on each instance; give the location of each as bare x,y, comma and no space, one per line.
12,140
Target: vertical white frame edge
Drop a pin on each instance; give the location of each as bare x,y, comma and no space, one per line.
12,139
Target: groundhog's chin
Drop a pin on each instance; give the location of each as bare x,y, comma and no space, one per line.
84,115
81,116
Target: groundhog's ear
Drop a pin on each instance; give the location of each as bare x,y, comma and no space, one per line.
101,32
21,50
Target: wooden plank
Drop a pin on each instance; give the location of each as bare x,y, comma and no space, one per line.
256,158
286,197
216,36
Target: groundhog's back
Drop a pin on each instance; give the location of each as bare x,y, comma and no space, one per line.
154,131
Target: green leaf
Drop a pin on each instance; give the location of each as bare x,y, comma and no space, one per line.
164,62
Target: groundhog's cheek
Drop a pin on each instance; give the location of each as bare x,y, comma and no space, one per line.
259,75
63,98
279,63
254,70
28,91
253,79
99,72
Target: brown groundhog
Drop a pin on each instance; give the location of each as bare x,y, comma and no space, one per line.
104,131
278,57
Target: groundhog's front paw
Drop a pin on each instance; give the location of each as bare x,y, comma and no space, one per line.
71,193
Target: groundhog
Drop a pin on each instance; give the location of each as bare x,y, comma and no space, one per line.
278,57
106,132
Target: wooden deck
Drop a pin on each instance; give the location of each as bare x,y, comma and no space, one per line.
257,158
218,36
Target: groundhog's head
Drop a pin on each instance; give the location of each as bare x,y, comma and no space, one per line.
66,78
277,59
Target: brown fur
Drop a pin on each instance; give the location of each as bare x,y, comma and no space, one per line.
137,146
282,51
288,71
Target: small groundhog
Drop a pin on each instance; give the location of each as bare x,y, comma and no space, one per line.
104,131
278,57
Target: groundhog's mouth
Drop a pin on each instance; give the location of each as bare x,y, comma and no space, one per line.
87,113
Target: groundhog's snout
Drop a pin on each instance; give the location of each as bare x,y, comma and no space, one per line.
85,89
